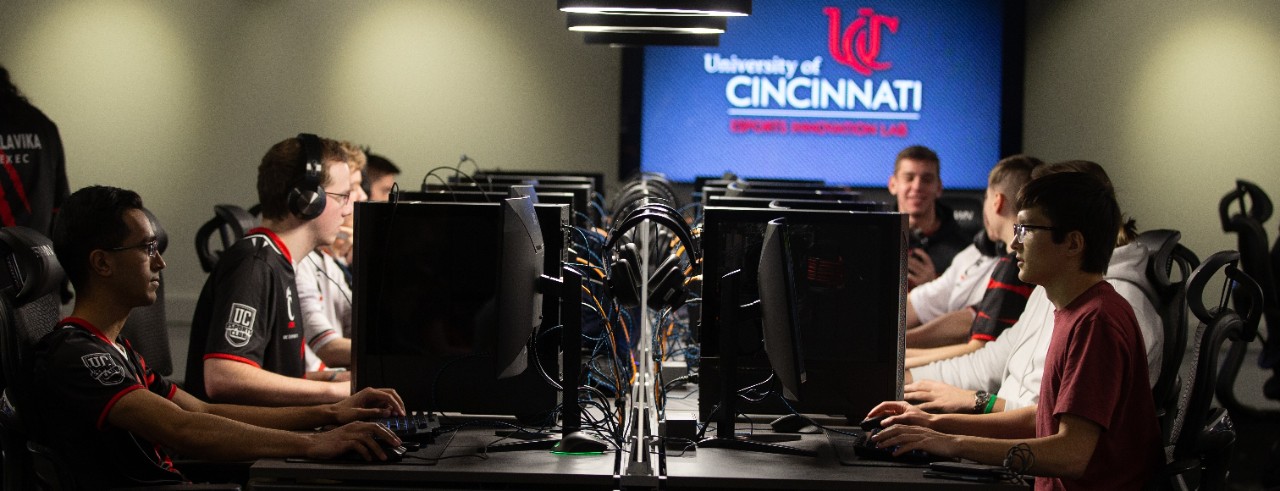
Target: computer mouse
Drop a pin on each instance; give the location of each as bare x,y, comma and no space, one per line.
873,423
793,423
395,453
579,442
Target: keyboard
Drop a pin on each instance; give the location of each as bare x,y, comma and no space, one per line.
415,426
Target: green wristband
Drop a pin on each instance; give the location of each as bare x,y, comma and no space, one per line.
991,404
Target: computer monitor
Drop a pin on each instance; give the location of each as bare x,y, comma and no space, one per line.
803,204
581,195
777,289
851,294
595,178
520,310
427,305
830,194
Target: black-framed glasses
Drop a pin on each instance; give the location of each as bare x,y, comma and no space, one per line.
152,247
1020,230
342,198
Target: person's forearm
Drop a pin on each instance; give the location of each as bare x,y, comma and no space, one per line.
281,418
922,357
1004,425
336,353
951,328
238,383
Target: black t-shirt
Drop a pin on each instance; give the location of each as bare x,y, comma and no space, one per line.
943,244
248,312
79,376
33,174
1002,303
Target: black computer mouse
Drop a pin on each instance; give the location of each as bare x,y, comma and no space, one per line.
794,423
395,453
873,423
579,442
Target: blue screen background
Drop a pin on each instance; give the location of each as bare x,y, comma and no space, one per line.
952,48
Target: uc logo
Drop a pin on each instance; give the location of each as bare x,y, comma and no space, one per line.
859,45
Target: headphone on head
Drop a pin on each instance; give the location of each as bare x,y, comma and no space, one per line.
307,198
667,279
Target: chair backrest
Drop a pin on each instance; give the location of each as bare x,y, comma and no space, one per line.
230,222
29,308
1168,268
1254,210
147,329
967,211
1201,434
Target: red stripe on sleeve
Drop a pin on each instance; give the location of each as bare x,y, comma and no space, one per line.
102,418
225,356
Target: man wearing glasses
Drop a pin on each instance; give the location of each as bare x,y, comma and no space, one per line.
1095,425
1005,374
113,418
247,334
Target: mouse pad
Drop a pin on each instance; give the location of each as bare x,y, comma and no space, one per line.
844,443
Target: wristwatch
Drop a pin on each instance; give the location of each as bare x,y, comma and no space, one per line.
980,400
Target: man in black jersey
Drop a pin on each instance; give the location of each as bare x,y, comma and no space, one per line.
115,419
246,335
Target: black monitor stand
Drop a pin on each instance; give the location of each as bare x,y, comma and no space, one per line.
732,318
570,317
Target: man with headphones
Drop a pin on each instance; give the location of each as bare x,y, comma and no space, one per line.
325,293
247,332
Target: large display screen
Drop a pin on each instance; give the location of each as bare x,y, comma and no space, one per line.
833,90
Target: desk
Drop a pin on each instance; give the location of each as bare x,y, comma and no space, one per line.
715,468
457,468
704,469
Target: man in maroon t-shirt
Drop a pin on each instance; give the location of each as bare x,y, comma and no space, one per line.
1095,425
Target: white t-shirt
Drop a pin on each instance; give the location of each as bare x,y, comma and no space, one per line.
326,304
960,286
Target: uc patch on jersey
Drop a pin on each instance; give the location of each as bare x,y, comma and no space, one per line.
103,368
240,324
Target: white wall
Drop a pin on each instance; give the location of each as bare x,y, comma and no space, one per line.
1177,99
179,99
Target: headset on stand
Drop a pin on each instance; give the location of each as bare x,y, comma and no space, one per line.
666,280
307,198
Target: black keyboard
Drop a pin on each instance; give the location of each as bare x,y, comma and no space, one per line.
864,448
415,425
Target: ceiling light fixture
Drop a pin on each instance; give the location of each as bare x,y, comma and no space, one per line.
718,8
623,40
646,24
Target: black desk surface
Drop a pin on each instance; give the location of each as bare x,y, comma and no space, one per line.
707,468
715,468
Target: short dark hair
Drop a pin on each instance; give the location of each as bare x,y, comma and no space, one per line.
378,166
284,166
920,153
91,218
8,91
1129,227
1077,201
1012,172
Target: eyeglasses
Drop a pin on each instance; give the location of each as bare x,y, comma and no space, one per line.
342,198
152,247
1020,230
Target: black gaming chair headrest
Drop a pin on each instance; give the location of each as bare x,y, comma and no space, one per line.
31,269
1261,204
1244,285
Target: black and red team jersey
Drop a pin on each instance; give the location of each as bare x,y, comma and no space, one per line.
33,173
248,312
1003,302
79,376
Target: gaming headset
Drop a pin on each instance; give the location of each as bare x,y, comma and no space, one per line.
307,198
667,280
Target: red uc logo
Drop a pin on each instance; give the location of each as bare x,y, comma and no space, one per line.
859,45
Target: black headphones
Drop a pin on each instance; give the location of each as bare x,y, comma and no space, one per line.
307,198
667,281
